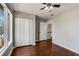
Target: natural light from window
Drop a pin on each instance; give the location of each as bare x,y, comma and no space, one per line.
1,26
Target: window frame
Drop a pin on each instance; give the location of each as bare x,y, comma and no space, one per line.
9,27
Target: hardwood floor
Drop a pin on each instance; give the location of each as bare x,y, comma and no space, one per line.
43,48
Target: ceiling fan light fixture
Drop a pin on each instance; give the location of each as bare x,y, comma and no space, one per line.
46,8
51,7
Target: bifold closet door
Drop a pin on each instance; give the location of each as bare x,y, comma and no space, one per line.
22,32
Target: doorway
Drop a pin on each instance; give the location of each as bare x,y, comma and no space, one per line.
49,31
43,31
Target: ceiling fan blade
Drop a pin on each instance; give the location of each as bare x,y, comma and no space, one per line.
42,8
44,3
56,5
52,14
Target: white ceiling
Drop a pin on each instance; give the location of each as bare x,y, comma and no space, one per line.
34,8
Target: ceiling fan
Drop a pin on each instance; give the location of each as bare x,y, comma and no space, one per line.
49,6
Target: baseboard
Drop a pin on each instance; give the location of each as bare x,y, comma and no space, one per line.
37,40
66,48
41,40
33,43
25,45
10,52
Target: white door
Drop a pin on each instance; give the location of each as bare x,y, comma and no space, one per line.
49,31
43,31
22,32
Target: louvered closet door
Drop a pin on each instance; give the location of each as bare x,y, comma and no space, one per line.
22,32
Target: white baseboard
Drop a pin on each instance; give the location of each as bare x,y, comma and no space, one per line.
37,40
33,43
10,51
66,47
42,40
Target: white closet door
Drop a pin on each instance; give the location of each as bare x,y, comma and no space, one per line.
31,31
22,32
17,32
43,32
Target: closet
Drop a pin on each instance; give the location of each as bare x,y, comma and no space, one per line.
23,31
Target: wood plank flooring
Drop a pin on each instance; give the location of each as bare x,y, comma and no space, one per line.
43,48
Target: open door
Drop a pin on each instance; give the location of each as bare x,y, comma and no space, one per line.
49,31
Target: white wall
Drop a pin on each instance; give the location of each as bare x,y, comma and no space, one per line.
66,29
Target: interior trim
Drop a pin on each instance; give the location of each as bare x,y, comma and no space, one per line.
66,48
11,51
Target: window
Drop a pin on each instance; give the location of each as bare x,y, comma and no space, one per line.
5,27
8,27
1,26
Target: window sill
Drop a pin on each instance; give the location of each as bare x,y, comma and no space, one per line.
3,49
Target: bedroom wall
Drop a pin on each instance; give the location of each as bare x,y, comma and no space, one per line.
66,29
